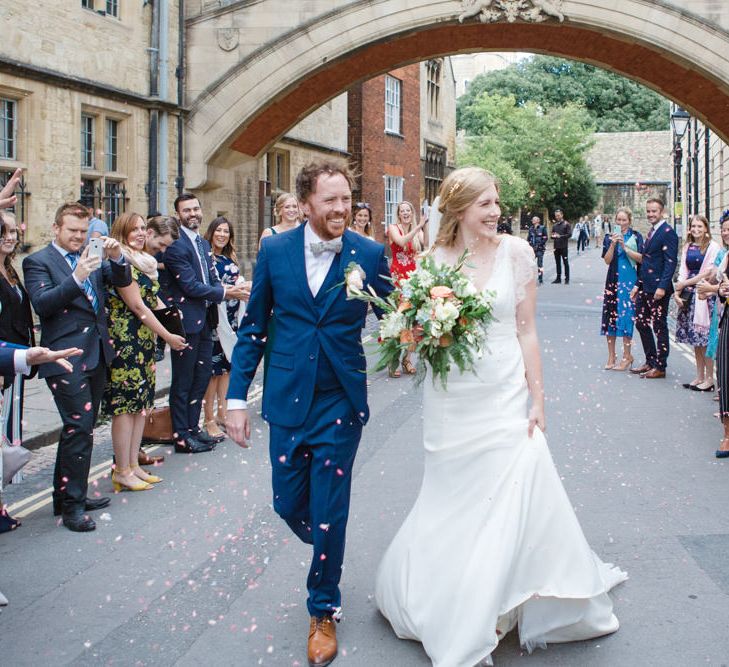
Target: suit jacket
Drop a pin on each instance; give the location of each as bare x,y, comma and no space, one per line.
16,319
67,318
185,286
302,331
660,259
7,359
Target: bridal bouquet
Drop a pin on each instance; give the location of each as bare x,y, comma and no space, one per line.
436,312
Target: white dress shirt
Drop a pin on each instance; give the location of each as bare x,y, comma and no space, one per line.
317,268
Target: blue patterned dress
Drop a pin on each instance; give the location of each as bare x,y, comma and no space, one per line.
618,311
713,343
228,272
686,332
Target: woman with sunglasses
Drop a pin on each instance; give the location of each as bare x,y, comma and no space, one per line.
362,219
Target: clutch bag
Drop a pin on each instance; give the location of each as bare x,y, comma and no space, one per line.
171,319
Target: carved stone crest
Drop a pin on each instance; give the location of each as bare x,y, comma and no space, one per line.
228,38
489,11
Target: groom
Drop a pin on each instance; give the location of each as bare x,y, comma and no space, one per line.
315,395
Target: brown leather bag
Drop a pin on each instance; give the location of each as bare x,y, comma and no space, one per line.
158,427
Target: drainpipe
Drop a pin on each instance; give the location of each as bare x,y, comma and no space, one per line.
153,113
180,180
163,136
707,173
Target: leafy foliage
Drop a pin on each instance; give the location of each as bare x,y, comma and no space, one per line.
613,102
537,154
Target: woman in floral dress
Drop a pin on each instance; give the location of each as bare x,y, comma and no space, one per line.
133,327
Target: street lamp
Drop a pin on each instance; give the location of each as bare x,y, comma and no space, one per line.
679,124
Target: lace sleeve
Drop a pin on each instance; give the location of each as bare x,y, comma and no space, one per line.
523,265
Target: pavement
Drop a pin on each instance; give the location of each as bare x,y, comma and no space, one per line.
201,571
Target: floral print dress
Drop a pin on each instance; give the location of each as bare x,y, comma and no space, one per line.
228,273
132,382
403,259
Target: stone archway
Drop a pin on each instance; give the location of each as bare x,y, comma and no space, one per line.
681,55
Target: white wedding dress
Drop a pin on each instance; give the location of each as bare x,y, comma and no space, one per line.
492,540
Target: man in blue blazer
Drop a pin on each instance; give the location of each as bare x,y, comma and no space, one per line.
18,359
67,288
315,394
653,292
194,287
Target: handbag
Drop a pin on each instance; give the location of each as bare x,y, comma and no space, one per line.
15,457
171,319
685,296
158,427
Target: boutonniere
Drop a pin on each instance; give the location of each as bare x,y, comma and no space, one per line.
354,277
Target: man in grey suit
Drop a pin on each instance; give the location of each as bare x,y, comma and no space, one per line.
67,291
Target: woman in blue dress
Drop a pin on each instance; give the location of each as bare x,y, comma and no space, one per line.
622,252
221,238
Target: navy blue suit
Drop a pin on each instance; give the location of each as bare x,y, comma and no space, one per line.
68,319
7,359
660,259
196,298
315,393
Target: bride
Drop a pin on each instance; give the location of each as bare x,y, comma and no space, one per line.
492,541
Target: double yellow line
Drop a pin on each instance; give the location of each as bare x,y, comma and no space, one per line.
27,506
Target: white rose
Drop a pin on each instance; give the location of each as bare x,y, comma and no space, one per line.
391,325
446,311
354,281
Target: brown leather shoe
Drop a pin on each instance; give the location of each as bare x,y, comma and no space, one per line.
145,459
653,374
322,641
641,369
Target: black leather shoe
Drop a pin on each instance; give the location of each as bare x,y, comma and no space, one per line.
92,504
192,446
206,439
556,281
79,523
567,282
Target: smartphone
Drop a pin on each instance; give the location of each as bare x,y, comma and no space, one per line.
96,248
616,229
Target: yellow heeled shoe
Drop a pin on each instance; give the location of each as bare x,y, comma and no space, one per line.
148,477
120,485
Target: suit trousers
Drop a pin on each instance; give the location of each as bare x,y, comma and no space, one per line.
651,317
191,372
560,255
312,477
77,397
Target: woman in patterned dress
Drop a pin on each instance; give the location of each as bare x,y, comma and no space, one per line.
132,327
221,238
406,243
694,315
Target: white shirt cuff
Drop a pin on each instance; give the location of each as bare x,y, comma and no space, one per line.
21,362
237,404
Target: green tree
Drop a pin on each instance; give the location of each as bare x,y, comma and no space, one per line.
539,155
615,103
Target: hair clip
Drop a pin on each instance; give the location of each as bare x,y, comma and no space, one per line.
453,189
724,216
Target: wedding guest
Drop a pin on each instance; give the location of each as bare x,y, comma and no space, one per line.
173,224
722,361
583,237
710,287
67,290
286,213
537,239
16,323
362,219
133,327
622,252
406,242
221,237
653,291
561,232
694,315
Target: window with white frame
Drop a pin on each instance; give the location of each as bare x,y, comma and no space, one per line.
393,196
112,8
393,103
112,138
8,128
87,141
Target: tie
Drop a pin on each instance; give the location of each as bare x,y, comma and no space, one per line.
650,235
203,261
72,258
318,247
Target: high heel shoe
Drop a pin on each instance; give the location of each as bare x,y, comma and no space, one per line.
408,367
142,474
608,366
121,485
624,365
722,453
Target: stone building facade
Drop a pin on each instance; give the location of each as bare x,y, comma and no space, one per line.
87,107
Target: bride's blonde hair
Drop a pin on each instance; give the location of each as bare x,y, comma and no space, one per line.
457,192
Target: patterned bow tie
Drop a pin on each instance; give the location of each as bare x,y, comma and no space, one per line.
318,247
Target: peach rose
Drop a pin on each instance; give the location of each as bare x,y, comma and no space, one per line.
446,340
404,305
441,292
406,336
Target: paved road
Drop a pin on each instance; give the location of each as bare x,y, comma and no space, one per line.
201,571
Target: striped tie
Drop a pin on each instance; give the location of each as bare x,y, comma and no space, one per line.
72,258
